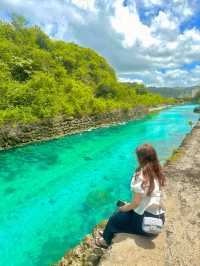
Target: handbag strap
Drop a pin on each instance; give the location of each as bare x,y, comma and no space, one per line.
161,194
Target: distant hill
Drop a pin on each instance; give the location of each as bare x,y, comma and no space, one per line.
175,92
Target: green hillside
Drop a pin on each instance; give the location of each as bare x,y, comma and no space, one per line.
45,78
175,92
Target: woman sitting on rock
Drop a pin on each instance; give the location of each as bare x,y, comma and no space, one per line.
146,185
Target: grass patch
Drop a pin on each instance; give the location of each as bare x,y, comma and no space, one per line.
176,155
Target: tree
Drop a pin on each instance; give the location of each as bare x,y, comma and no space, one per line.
106,90
19,22
21,69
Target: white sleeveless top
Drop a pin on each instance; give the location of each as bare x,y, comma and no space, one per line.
152,203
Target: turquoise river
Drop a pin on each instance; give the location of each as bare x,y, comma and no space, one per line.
53,193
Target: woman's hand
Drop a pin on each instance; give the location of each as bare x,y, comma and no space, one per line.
124,208
132,205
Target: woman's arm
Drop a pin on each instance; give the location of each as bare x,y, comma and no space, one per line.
133,204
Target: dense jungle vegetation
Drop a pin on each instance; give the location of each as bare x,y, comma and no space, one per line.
45,78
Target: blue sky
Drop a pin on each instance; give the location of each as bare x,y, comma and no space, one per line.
156,42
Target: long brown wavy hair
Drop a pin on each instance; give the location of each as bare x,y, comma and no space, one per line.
150,166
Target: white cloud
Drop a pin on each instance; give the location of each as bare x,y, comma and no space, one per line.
85,4
149,3
140,81
183,7
165,26
127,22
170,78
152,50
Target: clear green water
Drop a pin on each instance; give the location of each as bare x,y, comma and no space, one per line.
53,193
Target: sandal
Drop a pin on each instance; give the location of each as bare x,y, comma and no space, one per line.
100,242
100,232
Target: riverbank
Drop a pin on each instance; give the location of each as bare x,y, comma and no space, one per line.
179,243
50,129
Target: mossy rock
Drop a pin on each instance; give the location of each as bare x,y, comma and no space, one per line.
176,154
97,198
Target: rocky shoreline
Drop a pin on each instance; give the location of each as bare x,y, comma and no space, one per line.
53,128
179,244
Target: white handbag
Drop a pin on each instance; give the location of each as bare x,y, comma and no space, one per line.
152,225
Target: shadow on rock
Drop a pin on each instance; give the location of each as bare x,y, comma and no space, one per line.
141,241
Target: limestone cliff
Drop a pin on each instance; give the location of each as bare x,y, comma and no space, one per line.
51,128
